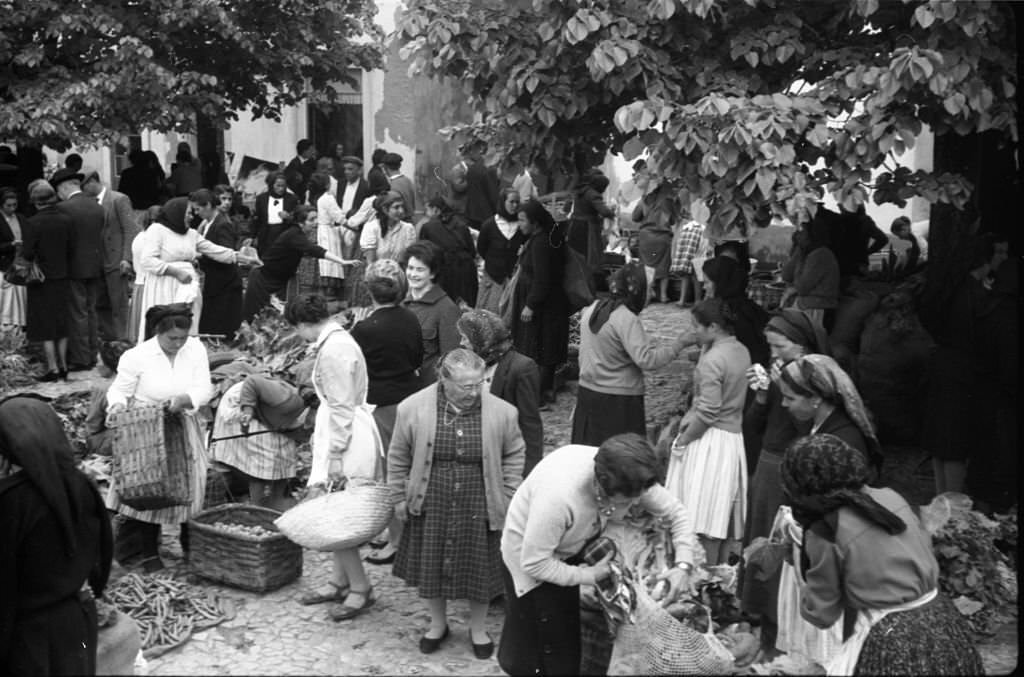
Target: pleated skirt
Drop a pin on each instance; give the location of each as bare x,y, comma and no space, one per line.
709,476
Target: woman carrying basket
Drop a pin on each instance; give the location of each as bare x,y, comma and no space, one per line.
171,369
346,444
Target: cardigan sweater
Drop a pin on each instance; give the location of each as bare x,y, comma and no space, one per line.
555,512
720,385
613,360
411,453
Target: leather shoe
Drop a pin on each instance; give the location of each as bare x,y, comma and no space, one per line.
482,651
343,612
432,644
386,559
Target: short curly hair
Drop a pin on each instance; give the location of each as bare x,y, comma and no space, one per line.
385,280
306,308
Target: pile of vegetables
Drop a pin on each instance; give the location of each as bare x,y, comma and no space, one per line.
16,369
253,531
167,610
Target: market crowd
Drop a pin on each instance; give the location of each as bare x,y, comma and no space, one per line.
460,324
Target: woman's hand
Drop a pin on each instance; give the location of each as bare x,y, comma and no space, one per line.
178,403
601,570
336,472
402,512
247,260
314,491
678,581
115,408
527,314
182,275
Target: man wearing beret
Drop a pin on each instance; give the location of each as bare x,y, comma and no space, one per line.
402,184
119,230
86,268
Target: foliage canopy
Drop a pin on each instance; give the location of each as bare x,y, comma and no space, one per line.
88,72
744,108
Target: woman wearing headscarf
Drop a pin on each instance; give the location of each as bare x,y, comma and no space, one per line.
56,537
498,245
540,309
450,232
866,561
614,353
726,279
707,469
170,249
171,369
510,375
791,334
822,399
655,238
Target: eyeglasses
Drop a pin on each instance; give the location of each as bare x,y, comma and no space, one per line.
476,385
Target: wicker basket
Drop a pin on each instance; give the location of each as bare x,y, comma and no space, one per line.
766,294
344,519
151,461
256,563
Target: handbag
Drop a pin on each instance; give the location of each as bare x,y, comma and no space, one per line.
506,305
24,272
577,282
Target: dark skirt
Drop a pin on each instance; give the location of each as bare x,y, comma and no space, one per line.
544,339
222,313
656,250
449,551
459,278
57,640
950,430
541,635
765,496
257,294
598,416
46,313
930,640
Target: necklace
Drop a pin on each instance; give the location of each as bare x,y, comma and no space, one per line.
444,416
603,505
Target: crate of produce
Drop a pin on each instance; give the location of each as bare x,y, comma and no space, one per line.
237,544
151,461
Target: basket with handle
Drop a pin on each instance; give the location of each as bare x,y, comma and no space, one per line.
151,461
340,520
251,562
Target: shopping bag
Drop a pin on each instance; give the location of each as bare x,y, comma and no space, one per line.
24,272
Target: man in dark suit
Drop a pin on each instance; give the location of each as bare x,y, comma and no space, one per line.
403,185
86,269
267,222
119,230
222,282
301,167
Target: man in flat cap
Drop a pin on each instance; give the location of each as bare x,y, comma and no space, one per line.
85,271
402,184
119,230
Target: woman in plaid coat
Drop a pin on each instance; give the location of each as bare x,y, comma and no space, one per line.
456,457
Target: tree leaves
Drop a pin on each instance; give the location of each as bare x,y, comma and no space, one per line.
89,73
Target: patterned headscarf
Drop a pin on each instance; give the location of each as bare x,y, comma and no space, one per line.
821,474
487,334
800,328
628,285
820,376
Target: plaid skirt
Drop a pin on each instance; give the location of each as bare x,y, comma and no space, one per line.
686,246
930,640
449,551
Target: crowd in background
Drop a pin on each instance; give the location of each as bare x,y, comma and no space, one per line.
461,321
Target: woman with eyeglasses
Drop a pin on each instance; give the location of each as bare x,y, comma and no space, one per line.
456,458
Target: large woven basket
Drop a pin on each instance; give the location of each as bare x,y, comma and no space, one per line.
151,461
256,563
344,519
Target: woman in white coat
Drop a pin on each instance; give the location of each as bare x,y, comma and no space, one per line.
346,444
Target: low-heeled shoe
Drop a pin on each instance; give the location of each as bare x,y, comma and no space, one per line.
432,644
482,651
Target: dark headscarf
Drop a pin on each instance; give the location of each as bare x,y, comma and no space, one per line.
628,286
487,334
157,313
502,196
730,278
172,215
821,474
800,328
32,437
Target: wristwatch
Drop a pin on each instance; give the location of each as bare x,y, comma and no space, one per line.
686,567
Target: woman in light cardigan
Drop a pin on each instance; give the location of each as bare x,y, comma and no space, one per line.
561,506
708,467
